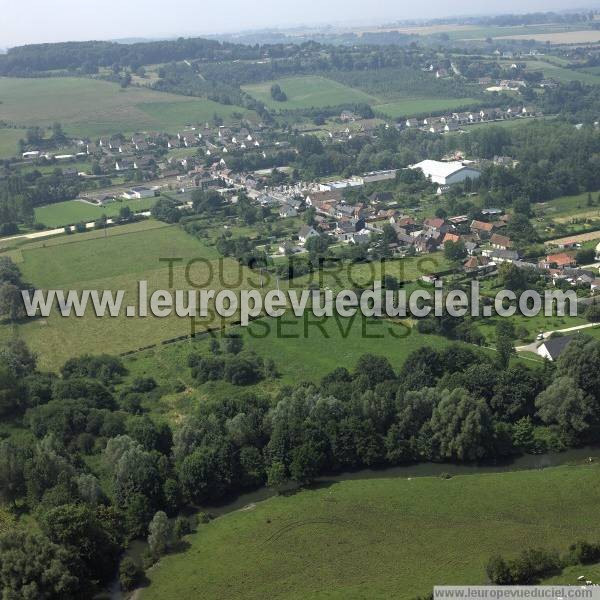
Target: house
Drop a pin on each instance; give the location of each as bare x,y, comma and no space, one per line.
482,229
500,242
478,264
553,347
561,260
287,211
450,237
595,286
446,173
137,193
306,232
347,116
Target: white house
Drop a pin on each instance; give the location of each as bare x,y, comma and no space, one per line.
138,193
306,233
446,173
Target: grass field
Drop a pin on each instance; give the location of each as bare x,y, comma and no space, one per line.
307,92
563,74
114,263
88,107
416,106
381,538
72,211
9,141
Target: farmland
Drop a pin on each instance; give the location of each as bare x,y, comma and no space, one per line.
73,211
88,107
307,92
417,106
114,263
378,538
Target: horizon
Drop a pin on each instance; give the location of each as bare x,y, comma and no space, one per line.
158,24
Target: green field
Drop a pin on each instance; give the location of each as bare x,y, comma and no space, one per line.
307,92
417,106
89,107
562,74
381,538
114,263
72,211
9,141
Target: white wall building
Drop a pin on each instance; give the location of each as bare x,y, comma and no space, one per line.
446,173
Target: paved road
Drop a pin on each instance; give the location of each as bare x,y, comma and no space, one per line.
534,346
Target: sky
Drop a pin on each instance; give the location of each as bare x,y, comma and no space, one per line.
35,21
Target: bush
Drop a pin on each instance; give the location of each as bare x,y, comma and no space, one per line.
130,574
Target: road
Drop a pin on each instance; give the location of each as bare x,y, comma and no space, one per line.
51,232
534,346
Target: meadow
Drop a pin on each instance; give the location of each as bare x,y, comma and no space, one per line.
9,141
88,107
381,538
563,74
73,211
115,262
418,106
307,92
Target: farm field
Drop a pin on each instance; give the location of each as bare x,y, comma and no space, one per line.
73,211
9,141
416,106
563,74
115,263
379,538
516,31
587,36
88,107
309,91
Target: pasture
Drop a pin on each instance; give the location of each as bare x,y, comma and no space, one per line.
116,262
307,92
409,107
89,107
9,141
74,211
381,538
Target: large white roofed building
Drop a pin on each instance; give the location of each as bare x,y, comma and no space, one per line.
446,173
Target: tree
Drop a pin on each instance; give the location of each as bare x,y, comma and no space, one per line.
277,93
34,568
233,344
129,574
166,210
455,251
76,527
505,348
461,426
159,534
11,302
592,313
564,404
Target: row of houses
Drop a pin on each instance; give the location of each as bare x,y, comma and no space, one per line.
453,121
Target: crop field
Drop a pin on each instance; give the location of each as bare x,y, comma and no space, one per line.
307,92
587,36
114,263
73,211
416,106
9,141
378,538
89,107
